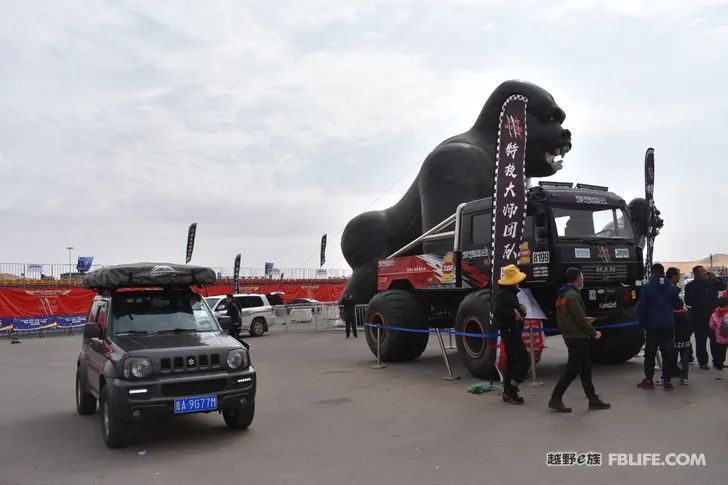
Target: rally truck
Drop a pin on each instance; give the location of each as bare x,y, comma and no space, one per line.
449,286
152,348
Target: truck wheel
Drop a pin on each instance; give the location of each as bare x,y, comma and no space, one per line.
115,432
477,354
257,327
239,418
396,308
85,402
617,345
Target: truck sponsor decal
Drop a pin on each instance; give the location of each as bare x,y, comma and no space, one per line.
540,272
590,199
524,253
621,253
604,254
448,268
608,305
476,253
582,253
592,294
541,257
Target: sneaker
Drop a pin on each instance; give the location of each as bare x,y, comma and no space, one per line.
511,396
684,381
704,367
668,386
646,384
558,406
596,404
658,382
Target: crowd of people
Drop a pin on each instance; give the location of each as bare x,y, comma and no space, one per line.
669,323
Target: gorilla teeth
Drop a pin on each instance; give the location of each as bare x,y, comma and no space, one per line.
558,151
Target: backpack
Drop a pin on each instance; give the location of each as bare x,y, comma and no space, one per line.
723,329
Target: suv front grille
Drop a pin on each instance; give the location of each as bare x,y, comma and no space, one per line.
605,272
192,388
189,363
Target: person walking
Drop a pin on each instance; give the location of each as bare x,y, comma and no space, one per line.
236,320
719,326
655,312
578,332
508,315
683,332
349,314
701,296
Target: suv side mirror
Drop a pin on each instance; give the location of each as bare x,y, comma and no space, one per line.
91,330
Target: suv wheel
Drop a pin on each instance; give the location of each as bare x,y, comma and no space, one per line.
257,327
85,402
116,433
239,418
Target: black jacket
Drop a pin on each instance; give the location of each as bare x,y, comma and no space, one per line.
702,296
683,329
348,307
504,306
233,311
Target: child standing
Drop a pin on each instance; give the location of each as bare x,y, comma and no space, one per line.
719,324
683,331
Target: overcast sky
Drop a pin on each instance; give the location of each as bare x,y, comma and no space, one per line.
270,123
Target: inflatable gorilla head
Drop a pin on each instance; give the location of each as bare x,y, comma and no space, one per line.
547,140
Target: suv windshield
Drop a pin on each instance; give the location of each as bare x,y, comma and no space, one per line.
154,312
593,223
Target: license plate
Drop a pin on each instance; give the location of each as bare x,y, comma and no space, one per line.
195,404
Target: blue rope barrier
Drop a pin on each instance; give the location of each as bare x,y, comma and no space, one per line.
552,331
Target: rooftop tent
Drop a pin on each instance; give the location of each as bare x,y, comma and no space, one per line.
148,274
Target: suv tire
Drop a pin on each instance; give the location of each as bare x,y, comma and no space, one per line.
257,327
115,432
477,354
239,418
396,308
85,402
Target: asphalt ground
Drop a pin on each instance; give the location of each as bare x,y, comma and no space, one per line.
324,416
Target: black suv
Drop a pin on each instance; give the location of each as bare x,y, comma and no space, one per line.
152,348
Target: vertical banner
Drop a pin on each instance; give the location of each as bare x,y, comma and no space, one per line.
650,205
236,274
191,241
323,250
509,191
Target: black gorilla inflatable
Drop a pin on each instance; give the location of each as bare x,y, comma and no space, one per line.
459,169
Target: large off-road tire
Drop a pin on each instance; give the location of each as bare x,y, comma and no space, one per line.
115,432
85,402
257,327
477,354
396,308
618,345
239,418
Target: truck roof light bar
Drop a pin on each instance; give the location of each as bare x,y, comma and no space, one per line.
545,183
592,187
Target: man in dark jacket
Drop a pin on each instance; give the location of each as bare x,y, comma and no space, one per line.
578,331
508,315
683,331
233,311
701,295
349,314
655,310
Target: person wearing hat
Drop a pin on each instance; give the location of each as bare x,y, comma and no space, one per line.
578,331
508,315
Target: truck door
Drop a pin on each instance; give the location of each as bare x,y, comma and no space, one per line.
475,245
535,256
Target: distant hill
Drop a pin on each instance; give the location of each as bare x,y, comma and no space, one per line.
686,267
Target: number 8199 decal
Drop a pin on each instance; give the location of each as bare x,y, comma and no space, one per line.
542,257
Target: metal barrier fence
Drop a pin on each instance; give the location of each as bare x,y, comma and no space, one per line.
45,271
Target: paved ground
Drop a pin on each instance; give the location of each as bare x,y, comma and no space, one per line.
325,417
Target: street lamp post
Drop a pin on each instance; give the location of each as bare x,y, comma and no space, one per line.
70,263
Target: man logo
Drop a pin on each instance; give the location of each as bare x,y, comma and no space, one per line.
191,362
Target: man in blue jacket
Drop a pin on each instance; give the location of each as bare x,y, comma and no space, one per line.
658,299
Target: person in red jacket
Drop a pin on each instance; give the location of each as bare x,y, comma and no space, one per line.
721,334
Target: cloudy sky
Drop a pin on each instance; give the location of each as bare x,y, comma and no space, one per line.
270,123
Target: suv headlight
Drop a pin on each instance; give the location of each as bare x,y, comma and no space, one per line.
238,359
137,367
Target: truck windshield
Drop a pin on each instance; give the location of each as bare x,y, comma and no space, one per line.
593,223
158,312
